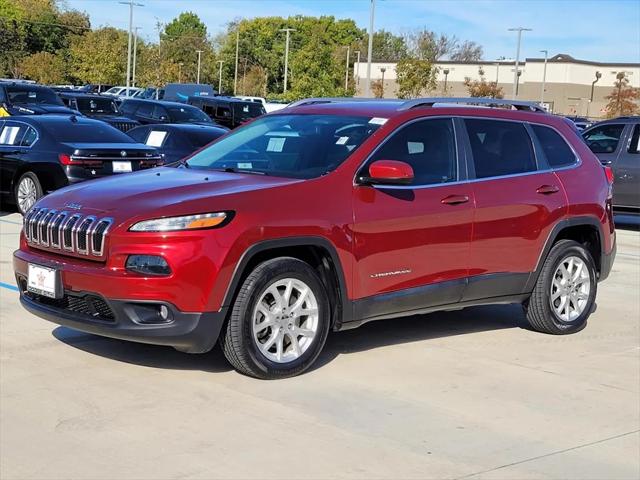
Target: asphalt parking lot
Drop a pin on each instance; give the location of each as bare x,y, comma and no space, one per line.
467,394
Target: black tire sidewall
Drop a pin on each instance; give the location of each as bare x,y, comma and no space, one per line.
573,249
35,180
277,270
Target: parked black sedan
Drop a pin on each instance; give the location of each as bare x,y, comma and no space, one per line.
21,98
176,141
155,111
99,107
41,153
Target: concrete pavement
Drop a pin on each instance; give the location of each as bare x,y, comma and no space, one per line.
468,394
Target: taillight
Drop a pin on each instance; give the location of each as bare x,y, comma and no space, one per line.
609,173
66,159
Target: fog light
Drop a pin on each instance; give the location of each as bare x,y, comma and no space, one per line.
148,265
164,312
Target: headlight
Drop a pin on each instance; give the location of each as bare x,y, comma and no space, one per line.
188,222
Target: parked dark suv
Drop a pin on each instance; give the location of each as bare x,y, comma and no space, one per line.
226,111
21,98
617,144
323,216
155,111
99,107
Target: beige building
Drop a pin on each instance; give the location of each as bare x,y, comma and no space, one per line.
568,85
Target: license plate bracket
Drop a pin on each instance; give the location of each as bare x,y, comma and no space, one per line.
121,167
45,281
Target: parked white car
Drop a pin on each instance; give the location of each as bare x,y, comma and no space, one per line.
122,91
268,106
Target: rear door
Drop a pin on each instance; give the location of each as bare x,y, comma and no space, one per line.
626,185
518,200
605,141
16,138
414,239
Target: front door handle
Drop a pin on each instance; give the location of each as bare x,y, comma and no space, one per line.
455,199
548,189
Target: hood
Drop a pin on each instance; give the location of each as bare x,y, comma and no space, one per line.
160,191
37,109
110,118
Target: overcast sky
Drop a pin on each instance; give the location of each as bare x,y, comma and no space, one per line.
598,30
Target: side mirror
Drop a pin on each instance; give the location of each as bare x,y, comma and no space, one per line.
389,172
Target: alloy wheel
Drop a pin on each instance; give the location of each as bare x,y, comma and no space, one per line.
570,289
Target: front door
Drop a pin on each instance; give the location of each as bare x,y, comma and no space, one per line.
626,169
411,243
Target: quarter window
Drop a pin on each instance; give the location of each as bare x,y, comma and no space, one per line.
555,148
605,138
500,148
30,136
428,146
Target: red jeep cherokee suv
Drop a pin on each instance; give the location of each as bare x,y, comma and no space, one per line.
324,216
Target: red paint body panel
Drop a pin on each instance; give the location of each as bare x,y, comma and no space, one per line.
501,228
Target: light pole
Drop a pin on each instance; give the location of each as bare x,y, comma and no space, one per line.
515,73
235,75
135,54
180,72
131,5
346,75
593,85
544,75
367,89
199,52
220,77
357,75
518,81
382,70
286,54
446,75
620,76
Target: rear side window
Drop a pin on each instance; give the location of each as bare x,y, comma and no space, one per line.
145,110
128,107
11,134
634,145
500,148
428,146
605,138
555,148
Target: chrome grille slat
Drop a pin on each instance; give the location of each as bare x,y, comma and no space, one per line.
70,232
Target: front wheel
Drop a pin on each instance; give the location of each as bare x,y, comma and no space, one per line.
565,293
28,192
279,322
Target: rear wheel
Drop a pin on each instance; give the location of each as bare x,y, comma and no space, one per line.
279,322
27,192
564,295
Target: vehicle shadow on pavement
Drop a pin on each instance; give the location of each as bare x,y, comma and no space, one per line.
154,356
419,328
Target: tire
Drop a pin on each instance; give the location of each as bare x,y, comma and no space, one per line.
250,347
27,192
544,310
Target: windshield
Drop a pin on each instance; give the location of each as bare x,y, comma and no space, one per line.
114,90
24,95
94,132
97,106
297,146
247,110
188,114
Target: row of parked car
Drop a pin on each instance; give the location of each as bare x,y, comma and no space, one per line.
50,139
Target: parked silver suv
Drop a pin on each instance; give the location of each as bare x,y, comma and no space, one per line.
617,144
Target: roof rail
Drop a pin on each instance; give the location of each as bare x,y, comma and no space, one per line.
483,101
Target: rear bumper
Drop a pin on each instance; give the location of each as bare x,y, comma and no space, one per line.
188,332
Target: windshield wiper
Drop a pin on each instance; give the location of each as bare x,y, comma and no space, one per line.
239,170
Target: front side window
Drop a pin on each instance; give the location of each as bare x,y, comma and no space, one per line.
428,146
554,146
294,146
187,114
634,145
500,148
605,138
145,110
97,106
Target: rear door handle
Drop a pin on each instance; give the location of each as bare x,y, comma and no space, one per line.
548,189
455,199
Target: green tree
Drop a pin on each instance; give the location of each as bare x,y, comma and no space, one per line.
415,76
623,99
100,56
428,45
44,67
387,47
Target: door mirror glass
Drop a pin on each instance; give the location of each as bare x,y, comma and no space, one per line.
389,172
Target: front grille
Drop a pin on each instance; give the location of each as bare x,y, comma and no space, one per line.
124,126
65,231
91,306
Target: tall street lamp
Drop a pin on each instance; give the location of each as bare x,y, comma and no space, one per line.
367,89
382,70
357,75
593,85
346,75
515,73
235,75
135,52
544,75
446,75
220,77
199,52
131,4
286,54
180,72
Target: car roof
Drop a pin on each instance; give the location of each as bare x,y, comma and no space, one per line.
184,127
54,119
30,86
75,94
157,102
632,119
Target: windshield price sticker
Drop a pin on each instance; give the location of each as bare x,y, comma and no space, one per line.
378,120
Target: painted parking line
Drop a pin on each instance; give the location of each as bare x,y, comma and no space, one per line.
8,286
